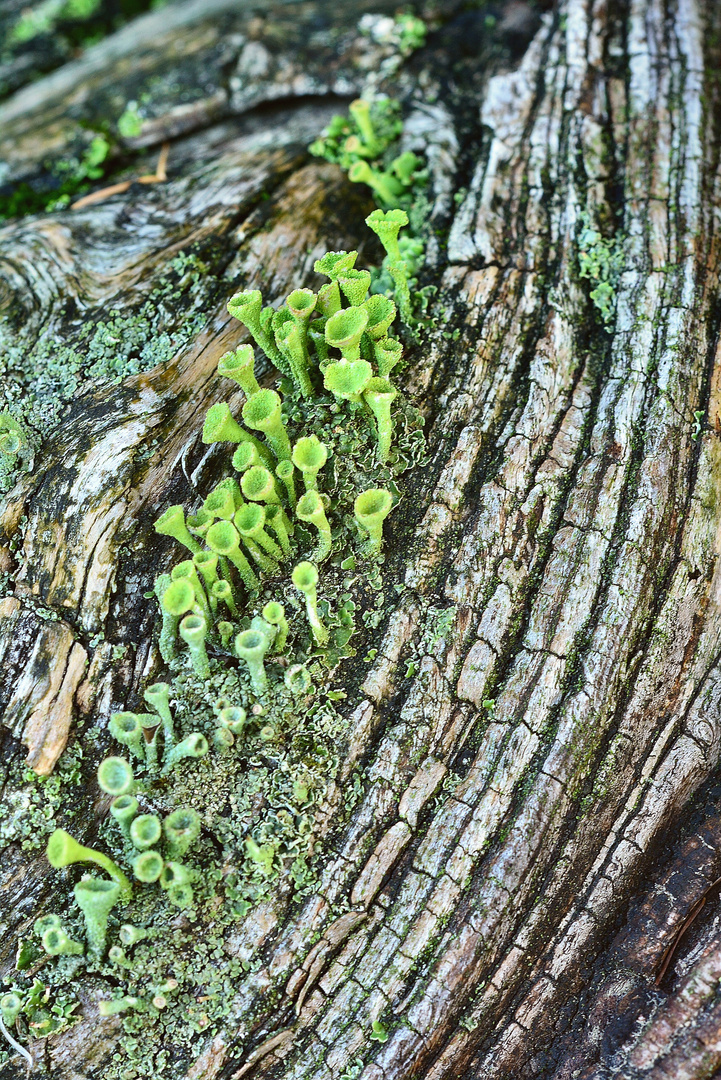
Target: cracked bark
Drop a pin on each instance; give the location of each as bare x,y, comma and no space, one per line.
510,924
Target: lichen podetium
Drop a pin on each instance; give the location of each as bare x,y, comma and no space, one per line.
237,743
365,145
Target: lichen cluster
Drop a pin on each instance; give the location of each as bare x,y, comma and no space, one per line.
336,354
220,779
365,144
12,445
218,783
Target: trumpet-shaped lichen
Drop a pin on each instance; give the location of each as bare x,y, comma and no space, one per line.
365,144
63,850
96,898
241,739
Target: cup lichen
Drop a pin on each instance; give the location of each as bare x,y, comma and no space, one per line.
262,412
193,630
371,508
124,808
194,745
224,540
172,523
96,898
379,395
387,225
243,531
309,456
239,365
115,776
148,866
181,829
126,728
158,696
274,613
344,331
305,579
258,485
311,510
145,831
251,646
57,942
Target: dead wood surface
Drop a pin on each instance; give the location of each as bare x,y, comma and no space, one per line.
510,923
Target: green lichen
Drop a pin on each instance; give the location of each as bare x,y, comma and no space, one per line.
411,33
353,1070
69,178
600,261
383,120
39,1010
437,627
44,17
63,850
130,122
245,744
32,803
39,377
365,145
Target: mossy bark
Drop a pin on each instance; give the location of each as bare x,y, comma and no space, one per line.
538,734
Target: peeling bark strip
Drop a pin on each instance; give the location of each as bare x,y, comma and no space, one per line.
275,1042
567,536
40,710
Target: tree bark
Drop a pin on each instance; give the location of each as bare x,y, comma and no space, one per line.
510,882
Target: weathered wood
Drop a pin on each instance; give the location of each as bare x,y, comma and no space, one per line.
510,857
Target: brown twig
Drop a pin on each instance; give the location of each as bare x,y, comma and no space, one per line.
676,940
101,195
160,173
157,177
